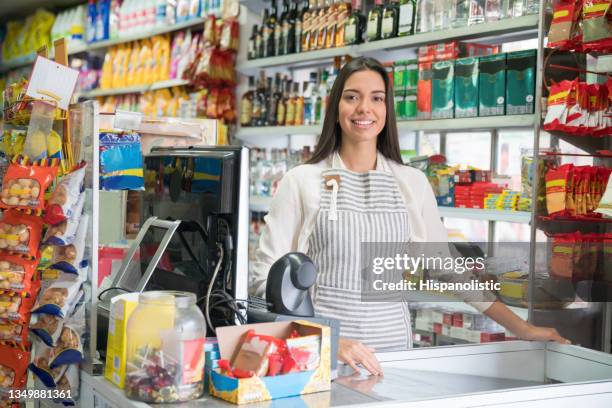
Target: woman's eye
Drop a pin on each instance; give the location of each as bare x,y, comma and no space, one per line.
350,97
379,99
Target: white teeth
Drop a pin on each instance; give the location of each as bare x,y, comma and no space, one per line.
363,122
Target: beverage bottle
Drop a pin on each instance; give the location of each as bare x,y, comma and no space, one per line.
355,25
279,29
407,17
390,20
246,104
300,106
253,45
299,26
375,21
290,114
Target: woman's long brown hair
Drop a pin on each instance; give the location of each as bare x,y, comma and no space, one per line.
387,142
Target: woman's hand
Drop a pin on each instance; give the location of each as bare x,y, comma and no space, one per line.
353,352
537,333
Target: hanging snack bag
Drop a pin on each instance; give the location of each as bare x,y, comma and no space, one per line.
561,97
559,190
41,366
16,274
69,258
64,199
13,367
121,161
24,186
68,386
49,327
20,233
58,296
65,232
596,25
16,309
564,30
14,333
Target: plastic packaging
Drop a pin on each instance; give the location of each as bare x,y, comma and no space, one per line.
121,161
41,122
24,186
65,197
16,309
58,297
20,233
65,232
16,274
164,331
13,367
14,333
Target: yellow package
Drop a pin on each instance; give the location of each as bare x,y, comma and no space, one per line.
163,64
147,104
133,74
146,55
41,29
117,63
106,79
121,308
13,141
155,58
125,64
9,47
163,99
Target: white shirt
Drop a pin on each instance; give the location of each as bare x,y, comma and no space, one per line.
294,209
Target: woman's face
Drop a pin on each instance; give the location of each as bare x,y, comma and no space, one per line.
363,110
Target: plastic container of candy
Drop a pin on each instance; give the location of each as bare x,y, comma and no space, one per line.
165,348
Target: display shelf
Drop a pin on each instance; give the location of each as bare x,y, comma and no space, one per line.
519,217
146,34
17,63
135,89
488,122
510,29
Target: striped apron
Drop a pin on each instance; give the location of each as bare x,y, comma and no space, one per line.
356,208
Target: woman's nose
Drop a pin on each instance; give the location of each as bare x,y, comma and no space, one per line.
363,106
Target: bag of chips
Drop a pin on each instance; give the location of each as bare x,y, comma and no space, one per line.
49,327
14,333
69,258
66,195
596,26
69,384
17,274
58,296
20,233
564,30
17,309
121,165
65,232
13,367
24,186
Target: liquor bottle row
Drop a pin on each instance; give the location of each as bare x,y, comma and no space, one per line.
279,101
321,24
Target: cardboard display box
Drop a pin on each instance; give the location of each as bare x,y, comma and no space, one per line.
256,389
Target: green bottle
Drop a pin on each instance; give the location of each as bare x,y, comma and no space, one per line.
375,21
407,17
390,18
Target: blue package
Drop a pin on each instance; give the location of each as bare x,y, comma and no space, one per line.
121,161
103,20
92,13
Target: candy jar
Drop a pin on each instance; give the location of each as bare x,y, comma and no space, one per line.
165,348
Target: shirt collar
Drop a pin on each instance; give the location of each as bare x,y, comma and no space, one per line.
381,162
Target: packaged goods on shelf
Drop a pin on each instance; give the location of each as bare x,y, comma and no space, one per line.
577,256
605,204
24,37
466,87
520,82
492,85
581,26
442,95
578,108
71,24
575,191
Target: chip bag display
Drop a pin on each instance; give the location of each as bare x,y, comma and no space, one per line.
66,195
564,30
69,258
24,186
20,233
597,26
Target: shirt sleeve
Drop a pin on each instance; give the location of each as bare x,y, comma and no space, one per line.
436,232
280,232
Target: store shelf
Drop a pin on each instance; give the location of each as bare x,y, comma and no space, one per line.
135,89
490,122
510,29
519,217
147,34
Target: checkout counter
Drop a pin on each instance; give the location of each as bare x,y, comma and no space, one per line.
524,374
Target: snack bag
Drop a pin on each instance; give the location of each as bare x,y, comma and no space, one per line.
252,358
121,165
58,296
66,195
17,274
48,327
146,61
16,309
561,97
106,79
177,55
596,25
24,186
20,233
14,333
41,368
305,351
65,232
564,30
69,384
13,367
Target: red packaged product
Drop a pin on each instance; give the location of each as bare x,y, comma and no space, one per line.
564,30
24,186
424,89
17,309
13,367
14,333
17,274
596,26
20,233
561,97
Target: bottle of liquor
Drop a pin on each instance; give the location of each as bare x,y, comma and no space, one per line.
257,104
291,102
299,26
426,16
375,21
289,27
253,46
390,18
265,33
322,24
307,20
246,104
300,106
277,97
330,27
316,27
262,95
344,10
310,100
270,102
270,31
279,30
407,17
355,25
281,107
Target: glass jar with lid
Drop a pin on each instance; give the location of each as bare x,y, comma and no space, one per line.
165,348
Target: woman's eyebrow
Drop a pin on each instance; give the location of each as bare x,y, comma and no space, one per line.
357,91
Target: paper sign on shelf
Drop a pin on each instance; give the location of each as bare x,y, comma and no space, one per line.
51,81
127,120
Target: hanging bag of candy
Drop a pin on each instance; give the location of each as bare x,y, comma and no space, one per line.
24,185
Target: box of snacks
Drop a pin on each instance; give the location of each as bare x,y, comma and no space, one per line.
267,361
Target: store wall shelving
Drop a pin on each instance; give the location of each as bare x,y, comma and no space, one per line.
134,89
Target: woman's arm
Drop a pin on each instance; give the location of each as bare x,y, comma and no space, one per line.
524,330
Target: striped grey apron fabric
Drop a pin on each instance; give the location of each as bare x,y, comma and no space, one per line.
365,207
